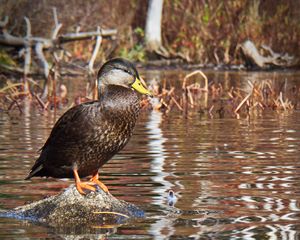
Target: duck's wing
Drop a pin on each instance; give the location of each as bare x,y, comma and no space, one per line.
73,126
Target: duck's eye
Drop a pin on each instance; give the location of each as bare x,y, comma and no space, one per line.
127,71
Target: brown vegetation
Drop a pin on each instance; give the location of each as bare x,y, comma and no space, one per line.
209,31
196,93
197,31
216,100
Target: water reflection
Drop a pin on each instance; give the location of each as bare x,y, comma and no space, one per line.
163,228
158,153
234,179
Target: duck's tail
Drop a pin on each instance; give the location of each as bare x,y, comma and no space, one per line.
35,171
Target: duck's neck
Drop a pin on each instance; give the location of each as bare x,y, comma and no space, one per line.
120,100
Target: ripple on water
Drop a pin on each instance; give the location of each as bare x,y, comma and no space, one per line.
231,178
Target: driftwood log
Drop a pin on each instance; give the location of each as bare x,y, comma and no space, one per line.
10,40
38,45
267,59
70,209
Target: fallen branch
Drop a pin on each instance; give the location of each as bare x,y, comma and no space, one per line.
40,45
252,55
55,31
86,35
27,57
9,40
4,22
56,22
27,46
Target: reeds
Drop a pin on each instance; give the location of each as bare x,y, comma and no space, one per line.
10,95
13,95
195,93
214,99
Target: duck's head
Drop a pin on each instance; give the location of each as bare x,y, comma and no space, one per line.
119,71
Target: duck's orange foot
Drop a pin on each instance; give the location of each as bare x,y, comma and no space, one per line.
80,186
95,180
101,185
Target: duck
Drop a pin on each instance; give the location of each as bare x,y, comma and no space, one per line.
88,135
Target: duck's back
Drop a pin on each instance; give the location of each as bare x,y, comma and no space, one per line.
88,135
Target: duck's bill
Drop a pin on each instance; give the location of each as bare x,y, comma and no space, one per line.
139,87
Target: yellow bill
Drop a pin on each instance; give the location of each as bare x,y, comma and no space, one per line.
139,87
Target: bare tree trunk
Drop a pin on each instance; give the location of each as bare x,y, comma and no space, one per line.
153,25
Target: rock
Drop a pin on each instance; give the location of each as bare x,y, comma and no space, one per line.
70,209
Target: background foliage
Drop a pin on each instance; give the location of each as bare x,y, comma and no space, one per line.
201,31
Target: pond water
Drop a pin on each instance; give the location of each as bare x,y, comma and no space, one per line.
233,178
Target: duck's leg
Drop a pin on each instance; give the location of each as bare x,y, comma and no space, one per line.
95,179
80,185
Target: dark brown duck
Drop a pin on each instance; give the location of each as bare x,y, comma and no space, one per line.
88,135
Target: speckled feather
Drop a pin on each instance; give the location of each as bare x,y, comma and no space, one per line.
88,135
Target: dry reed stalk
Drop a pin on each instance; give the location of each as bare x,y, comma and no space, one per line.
242,103
190,96
40,101
10,85
113,213
15,102
281,101
177,104
230,95
192,74
53,78
210,110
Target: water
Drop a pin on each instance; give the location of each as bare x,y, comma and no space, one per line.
233,179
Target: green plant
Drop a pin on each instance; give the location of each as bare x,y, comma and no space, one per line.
6,59
139,32
137,53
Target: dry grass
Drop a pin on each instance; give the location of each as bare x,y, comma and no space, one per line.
13,95
215,100
208,97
